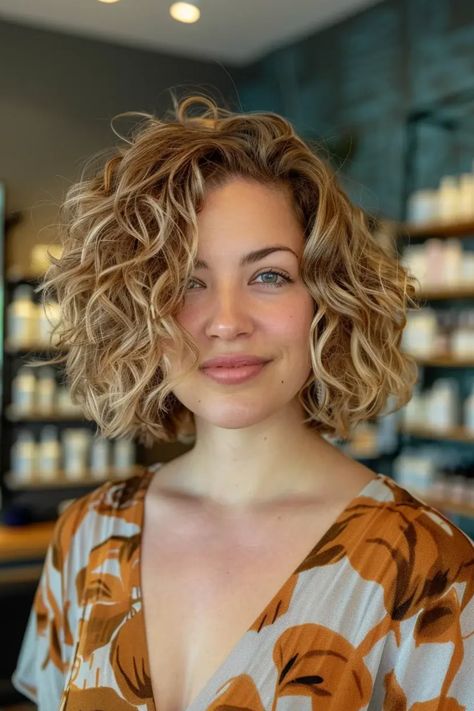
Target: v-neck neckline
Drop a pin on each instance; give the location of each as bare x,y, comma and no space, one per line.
149,474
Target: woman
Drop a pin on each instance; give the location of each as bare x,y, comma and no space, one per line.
215,280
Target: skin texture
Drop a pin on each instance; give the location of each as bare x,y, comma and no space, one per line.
250,435
230,519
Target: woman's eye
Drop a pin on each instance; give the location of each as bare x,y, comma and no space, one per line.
275,273
189,282
275,282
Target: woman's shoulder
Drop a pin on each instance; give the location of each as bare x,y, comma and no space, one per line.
409,535
113,508
412,508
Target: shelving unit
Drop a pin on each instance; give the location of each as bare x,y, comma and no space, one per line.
439,142
40,501
431,366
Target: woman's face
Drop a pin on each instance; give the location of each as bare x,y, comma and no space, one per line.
242,309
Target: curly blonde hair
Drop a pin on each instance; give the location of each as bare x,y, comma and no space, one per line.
129,241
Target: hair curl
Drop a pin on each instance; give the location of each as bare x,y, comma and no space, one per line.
129,240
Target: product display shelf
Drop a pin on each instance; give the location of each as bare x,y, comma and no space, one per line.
439,180
453,434
442,230
62,481
36,499
445,362
448,506
445,293
39,497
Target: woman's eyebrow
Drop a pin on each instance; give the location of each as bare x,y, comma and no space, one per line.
251,257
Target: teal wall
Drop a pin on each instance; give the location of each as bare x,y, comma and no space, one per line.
361,78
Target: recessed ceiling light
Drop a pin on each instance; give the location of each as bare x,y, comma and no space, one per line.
185,11
108,1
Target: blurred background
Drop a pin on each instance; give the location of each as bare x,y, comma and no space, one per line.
386,89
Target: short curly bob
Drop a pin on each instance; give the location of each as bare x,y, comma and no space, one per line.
129,241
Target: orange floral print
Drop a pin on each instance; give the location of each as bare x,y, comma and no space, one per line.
388,554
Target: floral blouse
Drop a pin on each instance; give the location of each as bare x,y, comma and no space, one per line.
379,615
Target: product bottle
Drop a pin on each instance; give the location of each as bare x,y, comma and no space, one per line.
46,391
461,340
448,199
24,391
49,454
123,457
422,206
443,404
23,458
76,444
434,253
100,458
453,258
466,196
21,318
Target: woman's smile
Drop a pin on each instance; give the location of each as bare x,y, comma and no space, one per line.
232,376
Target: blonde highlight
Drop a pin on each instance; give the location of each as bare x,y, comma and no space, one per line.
129,239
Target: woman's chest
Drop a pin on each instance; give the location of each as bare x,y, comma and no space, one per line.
201,594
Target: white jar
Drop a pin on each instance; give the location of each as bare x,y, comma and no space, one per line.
422,206
466,196
453,259
100,458
448,199
24,391
75,445
49,454
123,456
443,404
45,391
23,458
21,317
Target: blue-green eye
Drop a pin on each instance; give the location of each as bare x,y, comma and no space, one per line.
275,272
275,283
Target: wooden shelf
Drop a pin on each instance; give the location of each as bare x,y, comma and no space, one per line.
455,434
67,416
25,542
446,505
459,228
466,292
62,482
445,361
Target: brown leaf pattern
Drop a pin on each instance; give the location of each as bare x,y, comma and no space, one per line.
387,553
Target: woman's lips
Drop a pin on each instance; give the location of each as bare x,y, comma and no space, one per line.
234,375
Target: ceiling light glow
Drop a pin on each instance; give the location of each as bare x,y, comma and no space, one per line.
185,12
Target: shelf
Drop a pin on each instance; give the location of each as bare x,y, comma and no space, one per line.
445,361
62,482
455,434
13,416
25,542
454,507
466,292
460,228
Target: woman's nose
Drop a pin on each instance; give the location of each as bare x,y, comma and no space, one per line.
229,314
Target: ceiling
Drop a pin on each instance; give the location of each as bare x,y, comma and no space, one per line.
234,31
